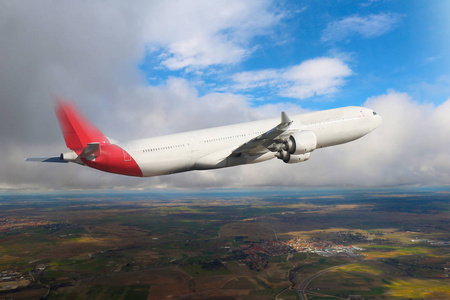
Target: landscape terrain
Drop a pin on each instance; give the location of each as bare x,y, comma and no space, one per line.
226,244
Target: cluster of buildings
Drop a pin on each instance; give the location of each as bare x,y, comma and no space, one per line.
257,255
276,247
12,280
62,226
254,256
14,224
7,276
323,248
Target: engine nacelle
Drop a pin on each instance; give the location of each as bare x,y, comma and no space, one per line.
299,158
292,159
301,142
69,156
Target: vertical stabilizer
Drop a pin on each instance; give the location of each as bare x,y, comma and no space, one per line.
78,132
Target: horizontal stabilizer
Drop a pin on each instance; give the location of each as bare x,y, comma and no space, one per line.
54,159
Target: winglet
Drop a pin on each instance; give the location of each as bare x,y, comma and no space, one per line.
285,119
78,132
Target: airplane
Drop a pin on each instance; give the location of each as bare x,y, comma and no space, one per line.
292,140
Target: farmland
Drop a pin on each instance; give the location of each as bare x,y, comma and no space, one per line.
226,244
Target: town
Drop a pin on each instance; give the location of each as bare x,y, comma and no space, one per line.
257,255
9,224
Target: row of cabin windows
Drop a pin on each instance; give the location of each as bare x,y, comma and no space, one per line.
205,141
229,137
163,148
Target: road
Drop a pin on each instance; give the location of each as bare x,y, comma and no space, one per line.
304,284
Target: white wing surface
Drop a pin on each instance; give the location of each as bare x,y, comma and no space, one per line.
268,141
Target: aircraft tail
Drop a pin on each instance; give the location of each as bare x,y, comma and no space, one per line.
89,145
78,132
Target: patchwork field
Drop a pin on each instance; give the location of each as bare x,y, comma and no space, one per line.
226,245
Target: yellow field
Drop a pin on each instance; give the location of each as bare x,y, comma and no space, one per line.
370,269
420,289
373,254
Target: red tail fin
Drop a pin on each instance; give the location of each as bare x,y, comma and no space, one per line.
76,129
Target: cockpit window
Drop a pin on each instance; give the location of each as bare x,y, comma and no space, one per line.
374,113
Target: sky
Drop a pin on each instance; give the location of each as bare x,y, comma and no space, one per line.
148,68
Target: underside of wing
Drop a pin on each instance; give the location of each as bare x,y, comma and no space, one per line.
268,141
54,159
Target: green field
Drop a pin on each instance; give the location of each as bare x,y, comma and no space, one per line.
140,246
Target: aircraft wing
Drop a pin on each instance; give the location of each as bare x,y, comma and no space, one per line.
267,141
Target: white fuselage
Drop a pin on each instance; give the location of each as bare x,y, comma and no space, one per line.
211,148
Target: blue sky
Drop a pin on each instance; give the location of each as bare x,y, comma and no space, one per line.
149,68
400,45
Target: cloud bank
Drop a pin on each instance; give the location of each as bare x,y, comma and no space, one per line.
89,52
401,152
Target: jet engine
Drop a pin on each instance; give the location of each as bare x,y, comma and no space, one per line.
297,148
301,142
69,156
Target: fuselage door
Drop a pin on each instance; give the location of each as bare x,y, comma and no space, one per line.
193,143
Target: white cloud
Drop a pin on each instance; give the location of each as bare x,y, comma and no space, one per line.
410,147
253,79
318,76
197,34
89,52
367,27
201,52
